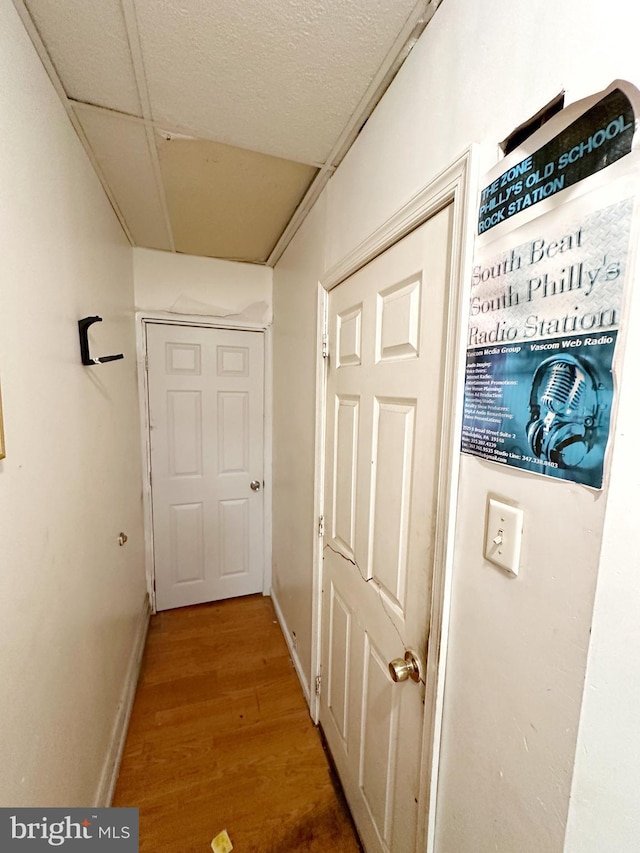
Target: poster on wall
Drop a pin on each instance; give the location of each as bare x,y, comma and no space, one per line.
551,272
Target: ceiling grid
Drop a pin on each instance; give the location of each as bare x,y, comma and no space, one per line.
215,128
133,35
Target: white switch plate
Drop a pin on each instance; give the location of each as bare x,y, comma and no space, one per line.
503,537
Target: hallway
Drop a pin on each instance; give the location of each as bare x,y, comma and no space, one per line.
529,740
220,738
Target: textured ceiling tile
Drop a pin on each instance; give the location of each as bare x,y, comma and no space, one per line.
278,76
87,42
227,202
122,151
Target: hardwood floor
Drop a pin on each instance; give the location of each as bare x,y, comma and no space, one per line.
221,738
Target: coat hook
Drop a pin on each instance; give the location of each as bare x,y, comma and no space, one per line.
83,331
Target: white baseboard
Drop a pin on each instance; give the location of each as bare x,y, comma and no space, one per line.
111,766
292,650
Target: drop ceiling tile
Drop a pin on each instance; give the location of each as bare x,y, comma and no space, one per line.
120,146
278,77
228,202
87,42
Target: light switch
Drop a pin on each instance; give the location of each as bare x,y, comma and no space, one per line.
503,537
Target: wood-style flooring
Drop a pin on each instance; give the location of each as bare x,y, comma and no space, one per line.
220,738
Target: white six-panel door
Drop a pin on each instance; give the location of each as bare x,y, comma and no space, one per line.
384,396
206,436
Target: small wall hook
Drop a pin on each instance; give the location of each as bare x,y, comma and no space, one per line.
83,332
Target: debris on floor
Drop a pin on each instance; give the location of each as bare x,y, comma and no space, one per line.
222,843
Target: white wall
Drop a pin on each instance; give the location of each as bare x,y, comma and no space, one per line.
294,365
603,812
518,648
184,284
71,599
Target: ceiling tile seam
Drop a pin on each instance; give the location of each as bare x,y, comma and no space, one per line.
133,36
181,130
100,108
137,60
157,173
47,62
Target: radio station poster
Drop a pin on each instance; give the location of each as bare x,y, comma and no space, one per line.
551,271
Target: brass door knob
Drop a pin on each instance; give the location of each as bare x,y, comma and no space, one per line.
402,669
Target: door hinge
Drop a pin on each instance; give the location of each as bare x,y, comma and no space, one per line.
321,526
325,345
146,363
318,684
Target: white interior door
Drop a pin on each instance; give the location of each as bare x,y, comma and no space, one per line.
384,400
206,423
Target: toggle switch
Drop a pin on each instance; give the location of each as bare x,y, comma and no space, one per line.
503,535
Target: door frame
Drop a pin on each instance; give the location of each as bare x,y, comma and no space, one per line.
457,185
144,318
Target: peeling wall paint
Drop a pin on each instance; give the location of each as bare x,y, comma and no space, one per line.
185,284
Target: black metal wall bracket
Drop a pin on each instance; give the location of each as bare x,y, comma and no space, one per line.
83,331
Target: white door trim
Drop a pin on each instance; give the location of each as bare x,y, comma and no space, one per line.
457,184
318,502
142,319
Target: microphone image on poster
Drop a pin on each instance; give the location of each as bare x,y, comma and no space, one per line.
566,412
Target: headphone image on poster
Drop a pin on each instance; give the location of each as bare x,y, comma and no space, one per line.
565,411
